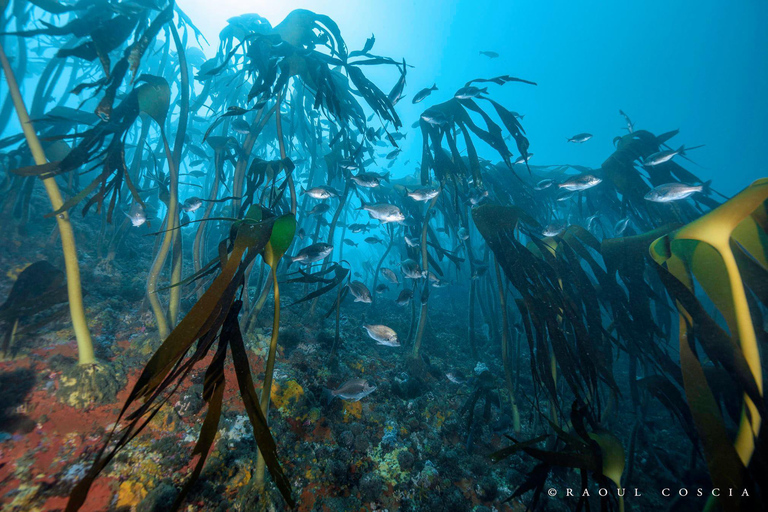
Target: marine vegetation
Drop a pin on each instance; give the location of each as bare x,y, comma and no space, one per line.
269,309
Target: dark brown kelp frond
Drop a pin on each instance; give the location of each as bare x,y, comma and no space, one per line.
212,318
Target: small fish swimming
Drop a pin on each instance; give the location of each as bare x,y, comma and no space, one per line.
390,275
621,226
580,137
369,179
241,126
411,242
455,377
382,334
393,154
564,196
137,215
381,288
490,55
411,269
669,192
476,195
663,156
302,234
353,390
359,228
436,118
422,194
544,184
523,159
360,292
374,240
191,204
404,298
349,242
312,253
321,192
553,229
422,94
319,209
581,182
383,212
469,92
462,233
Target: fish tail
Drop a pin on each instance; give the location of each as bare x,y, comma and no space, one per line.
327,396
706,187
681,151
434,87
484,90
386,177
362,204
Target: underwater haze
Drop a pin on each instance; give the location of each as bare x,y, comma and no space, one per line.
383,256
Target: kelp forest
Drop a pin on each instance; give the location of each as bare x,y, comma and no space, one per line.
224,287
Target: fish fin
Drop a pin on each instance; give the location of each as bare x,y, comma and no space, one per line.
327,396
484,90
434,87
386,177
362,204
681,151
706,187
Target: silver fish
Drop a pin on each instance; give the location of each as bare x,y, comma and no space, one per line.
411,269
470,92
191,204
359,228
663,156
360,292
383,212
312,253
382,334
322,192
422,94
319,209
411,242
463,234
354,390
553,229
580,137
137,215
369,179
476,195
390,275
621,226
422,194
454,378
523,158
393,154
581,182
669,192
544,184
436,118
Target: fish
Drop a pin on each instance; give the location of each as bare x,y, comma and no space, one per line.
191,204
404,298
564,196
197,174
390,275
469,92
630,124
580,137
591,221
663,156
399,136
312,253
455,377
382,288
462,233
436,118
349,165
422,194
321,192
241,126
319,209
553,229
359,228
136,214
349,242
353,390
383,212
369,179
669,192
411,242
302,234
374,240
411,270
393,154
523,159
476,195
544,184
490,55
382,334
581,182
621,226
360,292
396,94
422,94
440,283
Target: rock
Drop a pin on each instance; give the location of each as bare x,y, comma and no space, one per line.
370,487
158,499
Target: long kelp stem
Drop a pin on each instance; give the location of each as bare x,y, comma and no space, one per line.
505,349
269,370
425,288
163,325
288,174
75,294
